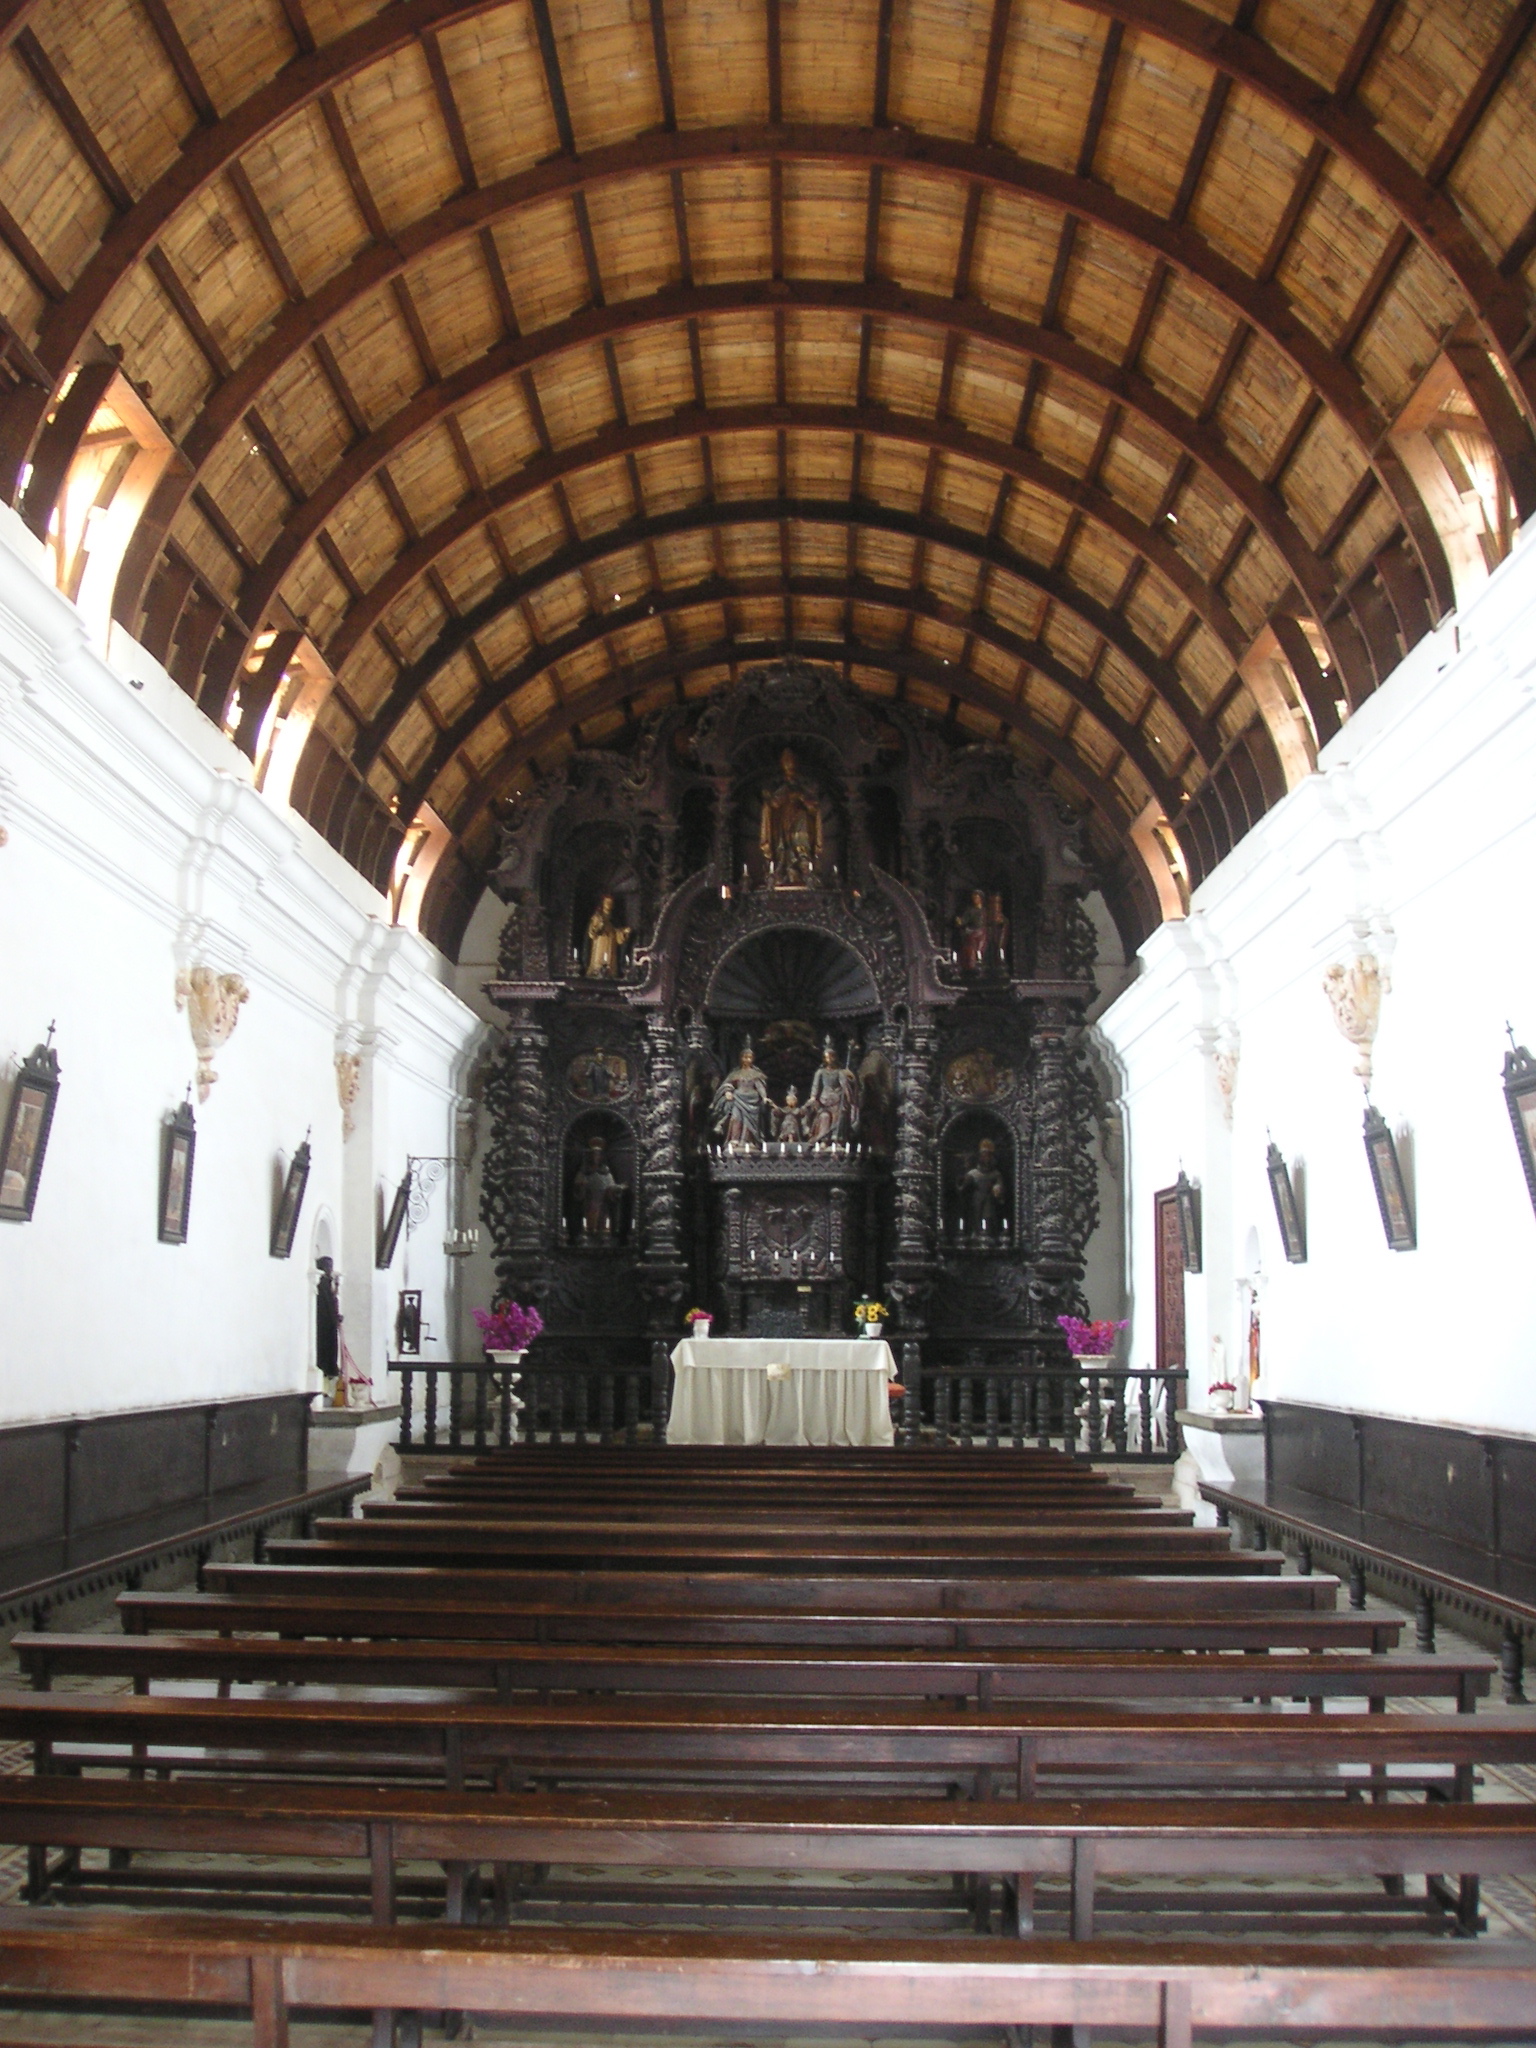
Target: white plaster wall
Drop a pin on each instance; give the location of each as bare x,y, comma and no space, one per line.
137,845
1417,841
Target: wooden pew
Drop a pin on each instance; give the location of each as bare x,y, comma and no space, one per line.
425,1620
696,1671
184,1961
443,1740
1161,1595
1079,1842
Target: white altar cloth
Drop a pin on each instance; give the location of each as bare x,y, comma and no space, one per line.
777,1390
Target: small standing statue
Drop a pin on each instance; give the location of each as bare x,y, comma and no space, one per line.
327,1323
741,1107
604,939
997,935
832,1113
789,829
984,1193
598,1194
790,1121
971,924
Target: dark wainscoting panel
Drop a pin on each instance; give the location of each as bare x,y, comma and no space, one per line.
1474,1488
77,1490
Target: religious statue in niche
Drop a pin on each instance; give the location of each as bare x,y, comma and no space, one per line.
606,938
877,1101
789,832
832,1111
599,1195
598,1075
327,1322
978,1076
983,1193
789,1122
741,1108
997,935
971,925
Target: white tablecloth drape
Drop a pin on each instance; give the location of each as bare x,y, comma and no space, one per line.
774,1390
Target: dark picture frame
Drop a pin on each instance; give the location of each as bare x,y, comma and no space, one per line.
394,1223
1186,1194
286,1222
178,1153
28,1122
1387,1179
1520,1100
1293,1231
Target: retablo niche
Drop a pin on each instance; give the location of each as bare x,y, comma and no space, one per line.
750,1059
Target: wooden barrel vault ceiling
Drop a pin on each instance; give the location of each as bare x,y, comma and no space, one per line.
1130,381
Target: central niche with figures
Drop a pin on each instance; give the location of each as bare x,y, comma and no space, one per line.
794,986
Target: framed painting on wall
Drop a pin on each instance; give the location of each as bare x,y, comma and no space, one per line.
1169,1244
1520,1099
394,1223
1293,1233
177,1152
28,1121
1187,1197
286,1221
1387,1176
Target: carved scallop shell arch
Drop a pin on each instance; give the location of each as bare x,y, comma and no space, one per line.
717,930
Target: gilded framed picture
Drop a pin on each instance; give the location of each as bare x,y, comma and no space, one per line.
286,1221
1387,1176
28,1120
178,1149
1520,1097
1293,1234
394,1223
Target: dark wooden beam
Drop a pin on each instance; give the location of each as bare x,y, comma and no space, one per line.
352,170
76,126
553,80
1098,106
663,66
168,35
448,107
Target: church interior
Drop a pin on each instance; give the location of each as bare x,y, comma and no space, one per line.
767,1125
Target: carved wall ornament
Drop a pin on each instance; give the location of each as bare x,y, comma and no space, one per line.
349,1081
1224,1057
212,1002
1355,991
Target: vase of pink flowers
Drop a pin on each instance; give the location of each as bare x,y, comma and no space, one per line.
698,1323
1090,1341
507,1330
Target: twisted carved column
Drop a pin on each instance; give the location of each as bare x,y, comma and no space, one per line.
528,1122
663,1265
912,1266
1056,1257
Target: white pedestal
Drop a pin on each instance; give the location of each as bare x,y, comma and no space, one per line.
348,1443
1222,1450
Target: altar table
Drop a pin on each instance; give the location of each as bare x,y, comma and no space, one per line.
780,1390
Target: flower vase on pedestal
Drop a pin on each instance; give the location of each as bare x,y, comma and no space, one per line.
871,1329
510,1382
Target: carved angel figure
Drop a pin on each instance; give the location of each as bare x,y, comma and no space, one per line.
212,1003
1355,992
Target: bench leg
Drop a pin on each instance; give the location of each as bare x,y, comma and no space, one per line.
1020,1905
1174,2026
981,1905
1356,1585
1469,1920
1083,1861
269,2010
1512,1665
37,1872
1424,1622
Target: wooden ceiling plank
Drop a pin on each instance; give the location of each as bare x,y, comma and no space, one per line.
351,168
190,79
663,59
554,83
75,125
448,108
1098,106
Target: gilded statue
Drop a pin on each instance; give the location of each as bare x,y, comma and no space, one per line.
604,939
789,828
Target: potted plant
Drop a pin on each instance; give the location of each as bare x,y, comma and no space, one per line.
1221,1393
507,1330
698,1323
1090,1340
870,1317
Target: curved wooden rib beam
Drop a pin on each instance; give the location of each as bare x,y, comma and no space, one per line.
1343,126
612,692
1263,306
1159,674
597,626
263,584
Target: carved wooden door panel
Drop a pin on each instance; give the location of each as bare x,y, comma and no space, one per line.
1170,1280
